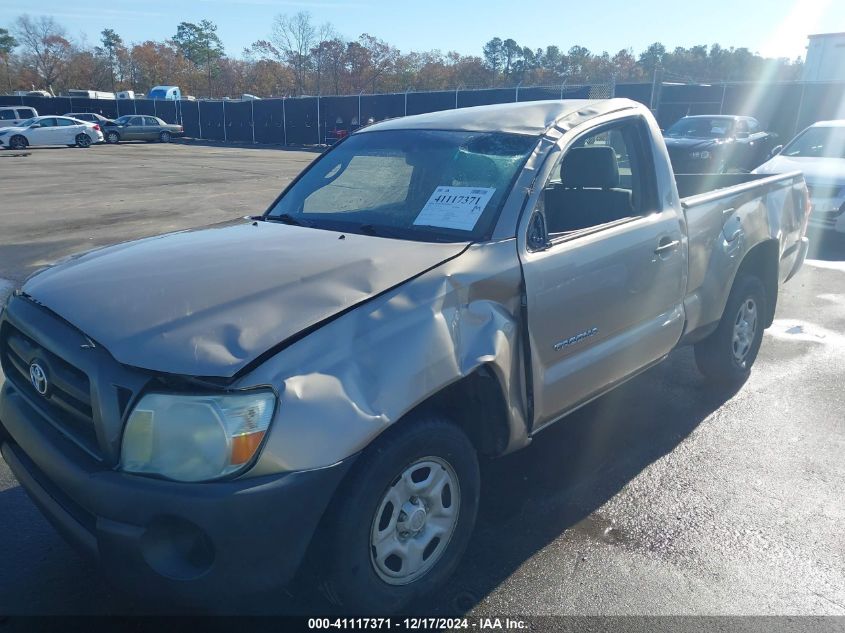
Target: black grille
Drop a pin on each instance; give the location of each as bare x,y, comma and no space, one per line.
67,402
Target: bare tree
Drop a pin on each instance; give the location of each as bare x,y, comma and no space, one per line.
321,54
295,37
45,46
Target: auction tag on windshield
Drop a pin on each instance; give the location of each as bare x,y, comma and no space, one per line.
455,207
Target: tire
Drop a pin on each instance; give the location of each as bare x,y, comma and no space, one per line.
164,137
434,531
18,142
83,140
112,138
726,356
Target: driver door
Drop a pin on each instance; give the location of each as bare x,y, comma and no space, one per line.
604,267
134,129
45,134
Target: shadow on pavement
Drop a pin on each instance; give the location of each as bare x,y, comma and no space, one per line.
230,144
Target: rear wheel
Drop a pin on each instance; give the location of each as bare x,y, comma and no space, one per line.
112,137
403,519
83,140
18,142
164,137
726,356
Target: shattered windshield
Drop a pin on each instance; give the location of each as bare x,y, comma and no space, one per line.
428,185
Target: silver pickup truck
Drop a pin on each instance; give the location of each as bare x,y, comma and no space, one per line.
208,412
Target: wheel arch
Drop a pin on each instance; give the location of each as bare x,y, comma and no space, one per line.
476,403
762,261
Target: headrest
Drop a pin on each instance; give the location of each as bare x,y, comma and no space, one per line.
593,167
474,170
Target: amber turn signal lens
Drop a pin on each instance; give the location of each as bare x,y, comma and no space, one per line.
244,446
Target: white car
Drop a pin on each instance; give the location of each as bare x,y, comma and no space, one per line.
50,130
818,151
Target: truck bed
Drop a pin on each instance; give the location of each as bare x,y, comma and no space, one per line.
726,215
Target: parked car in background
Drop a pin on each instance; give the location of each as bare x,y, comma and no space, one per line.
38,93
13,115
165,92
819,152
51,130
136,127
90,117
126,94
704,144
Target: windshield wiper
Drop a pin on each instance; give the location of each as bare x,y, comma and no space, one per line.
287,218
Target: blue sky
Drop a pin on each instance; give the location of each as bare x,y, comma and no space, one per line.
771,27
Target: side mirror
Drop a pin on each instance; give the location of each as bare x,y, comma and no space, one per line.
777,149
34,125
537,238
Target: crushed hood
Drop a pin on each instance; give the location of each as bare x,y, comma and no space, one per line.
207,302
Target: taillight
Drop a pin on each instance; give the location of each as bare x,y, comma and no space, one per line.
808,209
96,127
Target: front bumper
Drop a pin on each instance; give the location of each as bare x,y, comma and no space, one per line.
199,543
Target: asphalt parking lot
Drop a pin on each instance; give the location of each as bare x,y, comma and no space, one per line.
663,497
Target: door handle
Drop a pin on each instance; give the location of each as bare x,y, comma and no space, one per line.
665,247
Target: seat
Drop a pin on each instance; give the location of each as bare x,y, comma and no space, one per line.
588,193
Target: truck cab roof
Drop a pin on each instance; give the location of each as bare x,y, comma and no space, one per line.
527,117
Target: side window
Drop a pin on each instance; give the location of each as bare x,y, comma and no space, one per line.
148,120
742,127
48,122
65,122
26,113
7,115
136,120
753,126
601,179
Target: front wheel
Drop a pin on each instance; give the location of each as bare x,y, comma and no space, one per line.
164,137
403,519
726,356
112,138
18,142
83,140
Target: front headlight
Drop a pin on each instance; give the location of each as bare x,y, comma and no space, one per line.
195,437
703,155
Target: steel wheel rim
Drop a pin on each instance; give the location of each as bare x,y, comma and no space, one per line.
745,328
165,137
83,140
113,137
415,521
